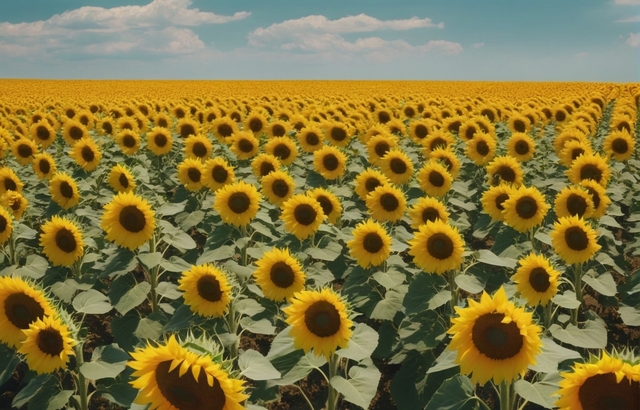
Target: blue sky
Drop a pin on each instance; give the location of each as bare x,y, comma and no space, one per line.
544,40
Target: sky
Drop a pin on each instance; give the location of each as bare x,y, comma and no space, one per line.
504,40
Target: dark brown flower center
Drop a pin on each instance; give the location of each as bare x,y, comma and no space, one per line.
372,242
186,130
162,122
312,138
522,147
505,173
440,246
65,240
219,174
330,162
3,224
595,197
66,190
560,115
50,341
500,200
526,207
421,131
185,392
87,154
160,140
620,146
576,152
381,148
305,214
225,130
124,181
519,126
489,114
255,124
389,202
470,132
539,279
280,188
430,214
454,126
200,150
398,166
10,184
601,391
209,288
436,179
132,219
576,205
322,319
590,171
576,238
266,167
371,184
494,339
43,133
245,145
180,113
76,133
25,151
22,310
409,112
129,141
194,174
282,275
384,117
239,202
325,204
482,148
338,134
278,130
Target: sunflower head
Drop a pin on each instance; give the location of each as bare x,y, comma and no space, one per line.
536,280
198,147
447,158
129,141
504,169
573,149
73,131
128,220
87,154
310,139
237,203
434,179
47,345
283,148
386,203
120,179
302,215
190,174
217,173
525,208
64,190
494,340
379,145
44,165
262,164
521,146
329,203
206,290
371,244
277,187
159,141
24,150
574,200
42,133
427,209
397,166
437,247
619,145
14,202
319,321
329,162
244,145
574,240
592,167
6,225
279,275
601,200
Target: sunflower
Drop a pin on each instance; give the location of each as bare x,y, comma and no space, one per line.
382,115
386,203
277,129
120,179
20,305
170,376
277,187
608,383
588,166
319,320
206,290
427,210
47,345
302,215
504,169
494,339
493,200
6,225
237,203
245,145
536,280
159,141
447,158
107,126
310,139
43,133
73,131
256,123
24,149
87,154
129,141
15,202
619,145
379,145
9,181
329,162
569,134
371,244
190,174
279,275
283,148
128,220
521,147
468,130
337,134
198,147
217,173
437,247
44,165
86,118
329,203
599,197
368,180
397,166
572,150
519,124
187,126
263,164
481,149
525,208
162,120
574,201
434,179
64,190
574,240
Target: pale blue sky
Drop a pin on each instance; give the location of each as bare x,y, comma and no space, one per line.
544,40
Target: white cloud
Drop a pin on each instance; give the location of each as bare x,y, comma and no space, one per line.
634,19
633,40
157,27
582,55
628,2
478,45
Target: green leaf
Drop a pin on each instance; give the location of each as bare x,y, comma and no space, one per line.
123,328
65,290
121,261
170,208
181,319
213,255
91,302
328,252
469,283
424,330
446,360
389,279
440,299
603,284
362,384
60,400
364,341
566,300
305,365
540,393
490,258
133,298
42,382
150,260
551,355
96,370
260,327
22,231
607,220
189,220
35,268
180,240
168,290
119,392
249,307
148,329
8,362
630,315
421,289
176,264
256,367
387,308
592,336
456,393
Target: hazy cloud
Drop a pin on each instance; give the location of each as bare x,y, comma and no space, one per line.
628,2
478,45
634,19
633,40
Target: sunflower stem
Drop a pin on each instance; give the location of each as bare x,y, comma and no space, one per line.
232,326
153,277
243,234
13,260
506,395
577,284
453,288
83,384
332,399
548,316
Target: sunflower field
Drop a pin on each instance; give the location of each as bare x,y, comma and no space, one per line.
319,245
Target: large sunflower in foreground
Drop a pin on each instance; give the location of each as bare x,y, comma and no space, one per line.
120,179
6,225
87,154
397,166
574,240
601,200
525,208
329,162
190,174
277,187
493,200
437,247
279,275
588,166
159,141
206,290
619,145
573,200
536,279
493,339
62,241
128,220
173,377
320,321
237,203
434,179
64,190
302,215
504,169
425,210
608,383
371,244
329,202
386,203
20,305
44,165
217,173
47,345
